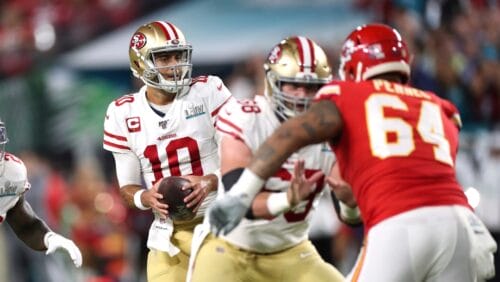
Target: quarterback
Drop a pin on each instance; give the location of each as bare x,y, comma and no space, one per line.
271,243
17,212
166,129
396,145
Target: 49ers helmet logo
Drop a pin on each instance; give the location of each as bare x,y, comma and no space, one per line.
138,41
274,55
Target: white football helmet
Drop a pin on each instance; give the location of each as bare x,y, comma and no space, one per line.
295,59
152,39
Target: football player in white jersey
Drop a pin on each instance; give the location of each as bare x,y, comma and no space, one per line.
17,211
271,243
166,129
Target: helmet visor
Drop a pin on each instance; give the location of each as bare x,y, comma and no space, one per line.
287,104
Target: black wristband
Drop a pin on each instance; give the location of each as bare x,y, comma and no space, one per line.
228,179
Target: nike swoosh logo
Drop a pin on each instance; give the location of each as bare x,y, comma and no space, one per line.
304,255
219,87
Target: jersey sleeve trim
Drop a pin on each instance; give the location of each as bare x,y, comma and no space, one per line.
106,144
121,138
113,142
216,111
230,124
230,133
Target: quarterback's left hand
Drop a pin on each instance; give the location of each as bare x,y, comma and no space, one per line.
201,187
54,241
226,213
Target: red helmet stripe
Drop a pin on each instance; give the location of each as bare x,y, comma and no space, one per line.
174,29
306,50
168,31
301,53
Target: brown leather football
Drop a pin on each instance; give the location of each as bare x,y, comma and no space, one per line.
173,196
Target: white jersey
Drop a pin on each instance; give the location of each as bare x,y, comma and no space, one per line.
252,121
182,141
13,183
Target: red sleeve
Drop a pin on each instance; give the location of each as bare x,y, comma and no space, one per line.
451,112
328,92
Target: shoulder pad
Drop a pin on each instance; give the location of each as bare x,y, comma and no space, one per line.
241,115
332,88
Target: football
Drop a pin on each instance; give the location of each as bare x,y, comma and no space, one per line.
173,196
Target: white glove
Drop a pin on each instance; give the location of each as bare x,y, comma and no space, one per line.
226,213
54,241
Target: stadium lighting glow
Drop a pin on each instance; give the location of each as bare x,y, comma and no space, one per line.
473,196
45,36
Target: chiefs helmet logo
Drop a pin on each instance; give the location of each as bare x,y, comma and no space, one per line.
348,48
138,41
375,51
274,55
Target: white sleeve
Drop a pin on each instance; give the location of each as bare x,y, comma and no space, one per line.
219,95
128,168
115,135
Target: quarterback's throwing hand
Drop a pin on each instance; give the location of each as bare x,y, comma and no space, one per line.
226,213
54,241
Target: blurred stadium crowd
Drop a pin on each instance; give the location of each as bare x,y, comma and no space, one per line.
32,31
456,48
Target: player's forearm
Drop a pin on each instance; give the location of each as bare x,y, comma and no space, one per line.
320,123
212,181
127,193
32,234
27,226
277,148
259,206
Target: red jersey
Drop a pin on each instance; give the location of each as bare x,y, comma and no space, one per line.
397,148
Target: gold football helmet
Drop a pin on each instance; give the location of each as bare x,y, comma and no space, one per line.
297,60
156,38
